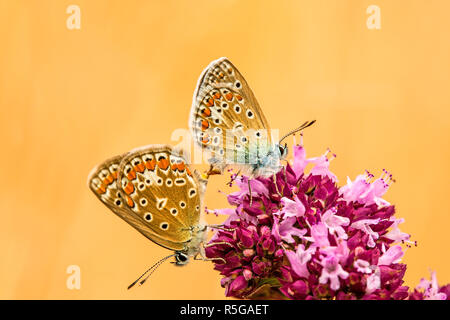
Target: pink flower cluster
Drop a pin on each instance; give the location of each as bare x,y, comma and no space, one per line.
303,237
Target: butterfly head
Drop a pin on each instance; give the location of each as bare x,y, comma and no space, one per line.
283,150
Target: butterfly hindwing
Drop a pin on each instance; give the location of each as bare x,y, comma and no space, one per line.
103,181
224,104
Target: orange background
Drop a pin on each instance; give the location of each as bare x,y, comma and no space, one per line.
71,98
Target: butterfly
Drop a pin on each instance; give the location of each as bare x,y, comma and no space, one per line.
154,190
227,121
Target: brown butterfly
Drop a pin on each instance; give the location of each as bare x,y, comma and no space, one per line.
154,190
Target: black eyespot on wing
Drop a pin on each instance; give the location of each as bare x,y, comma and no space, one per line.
164,226
148,216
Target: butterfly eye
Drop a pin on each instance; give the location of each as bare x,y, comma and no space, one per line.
169,182
225,106
217,121
148,181
118,202
181,258
237,108
250,114
197,208
141,186
148,216
174,211
258,134
182,204
237,84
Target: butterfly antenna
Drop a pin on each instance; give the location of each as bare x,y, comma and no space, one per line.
303,126
152,269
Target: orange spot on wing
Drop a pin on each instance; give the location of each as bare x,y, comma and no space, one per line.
108,180
130,202
206,112
131,175
139,168
163,164
229,96
209,102
129,188
150,165
101,189
205,139
115,174
217,95
238,97
205,125
181,166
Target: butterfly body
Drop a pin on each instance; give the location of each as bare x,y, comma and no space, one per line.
153,189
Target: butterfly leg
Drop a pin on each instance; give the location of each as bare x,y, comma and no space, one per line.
208,259
203,254
250,192
276,185
220,227
285,175
216,243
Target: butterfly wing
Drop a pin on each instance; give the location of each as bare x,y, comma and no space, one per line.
162,190
225,117
104,182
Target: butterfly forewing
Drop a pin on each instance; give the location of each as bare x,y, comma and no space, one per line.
225,116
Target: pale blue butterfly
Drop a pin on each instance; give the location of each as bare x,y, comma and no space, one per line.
227,121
